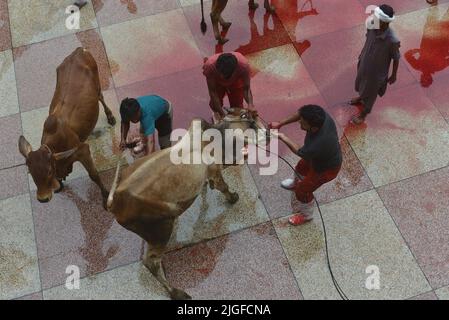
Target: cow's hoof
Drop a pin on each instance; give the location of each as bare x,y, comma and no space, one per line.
111,120
222,41
226,25
177,294
270,9
253,6
234,198
61,187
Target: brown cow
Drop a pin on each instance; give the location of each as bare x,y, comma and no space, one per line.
72,117
154,191
218,7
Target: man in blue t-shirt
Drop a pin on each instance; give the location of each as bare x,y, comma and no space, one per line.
153,113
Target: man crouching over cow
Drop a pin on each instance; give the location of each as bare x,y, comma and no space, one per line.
72,117
153,112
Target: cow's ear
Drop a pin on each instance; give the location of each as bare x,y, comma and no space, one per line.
24,147
64,154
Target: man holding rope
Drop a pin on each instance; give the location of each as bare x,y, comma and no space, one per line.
321,157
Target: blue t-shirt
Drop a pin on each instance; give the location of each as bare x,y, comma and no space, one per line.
152,107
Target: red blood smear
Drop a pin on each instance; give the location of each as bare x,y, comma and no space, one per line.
433,54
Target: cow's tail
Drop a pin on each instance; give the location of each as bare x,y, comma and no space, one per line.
114,184
203,22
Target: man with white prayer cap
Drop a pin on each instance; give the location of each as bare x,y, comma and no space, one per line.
381,47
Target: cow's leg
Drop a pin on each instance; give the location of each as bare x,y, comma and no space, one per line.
153,261
215,16
107,111
216,181
85,158
225,25
156,232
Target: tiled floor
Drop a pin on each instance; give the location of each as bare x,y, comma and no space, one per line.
388,208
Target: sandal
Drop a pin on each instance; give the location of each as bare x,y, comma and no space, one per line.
298,219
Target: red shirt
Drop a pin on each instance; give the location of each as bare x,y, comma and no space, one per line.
237,80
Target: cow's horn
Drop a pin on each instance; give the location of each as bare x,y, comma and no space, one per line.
114,184
64,154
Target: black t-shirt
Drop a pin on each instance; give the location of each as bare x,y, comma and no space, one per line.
322,149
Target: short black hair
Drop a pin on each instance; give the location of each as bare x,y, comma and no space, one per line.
313,114
128,108
387,10
226,64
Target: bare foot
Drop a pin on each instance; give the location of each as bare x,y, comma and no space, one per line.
226,25
253,5
358,120
270,9
222,40
355,101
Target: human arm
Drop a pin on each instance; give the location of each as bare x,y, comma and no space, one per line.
395,56
247,94
278,125
215,100
294,147
124,134
149,145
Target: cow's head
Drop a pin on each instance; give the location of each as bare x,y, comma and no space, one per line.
42,167
243,119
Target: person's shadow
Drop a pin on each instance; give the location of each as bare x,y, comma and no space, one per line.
130,4
433,54
293,14
258,40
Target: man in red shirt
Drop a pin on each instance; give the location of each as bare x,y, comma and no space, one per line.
228,74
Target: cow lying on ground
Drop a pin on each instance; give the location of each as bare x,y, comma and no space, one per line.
72,117
153,192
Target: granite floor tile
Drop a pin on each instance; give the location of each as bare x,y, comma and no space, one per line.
139,63
13,181
11,130
426,296
423,220
442,293
250,31
234,267
36,66
74,229
19,273
33,296
111,11
5,33
405,121
41,20
8,88
360,234
210,216
439,95
131,282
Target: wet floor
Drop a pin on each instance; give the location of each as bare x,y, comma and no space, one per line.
389,206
